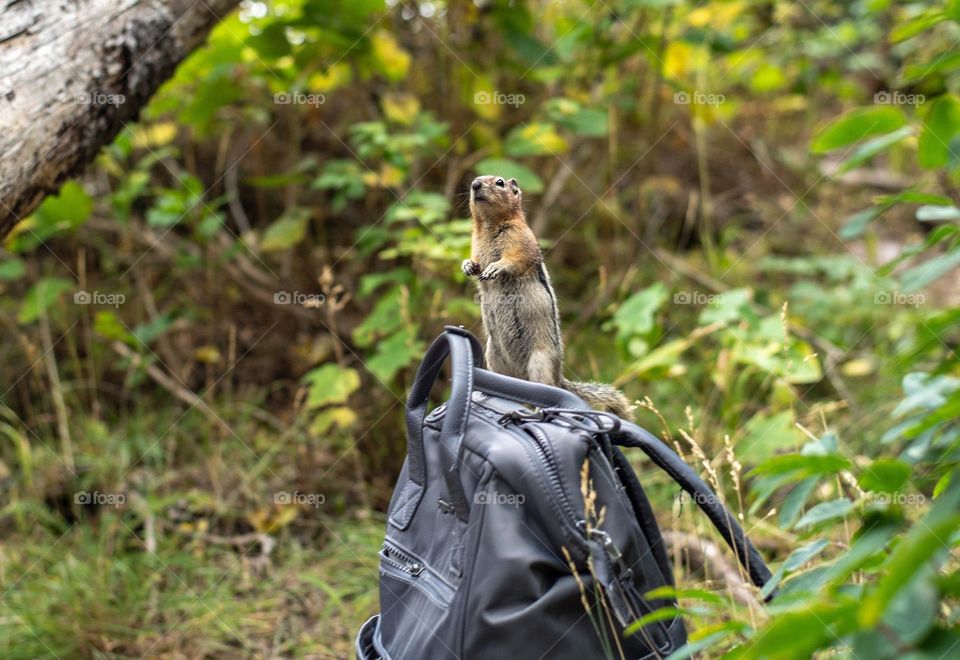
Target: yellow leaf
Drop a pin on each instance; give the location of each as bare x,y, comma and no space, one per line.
858,367
341,417
389,176
333,78
482,98
27,224
390,58
271,519
678,59
540,138
154,135
400,108
716,16
207,355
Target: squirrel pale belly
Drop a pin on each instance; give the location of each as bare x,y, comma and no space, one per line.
517,302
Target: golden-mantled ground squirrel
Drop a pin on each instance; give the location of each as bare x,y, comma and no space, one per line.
517,302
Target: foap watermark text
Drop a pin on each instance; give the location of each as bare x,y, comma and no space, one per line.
499,98
98,298
296,497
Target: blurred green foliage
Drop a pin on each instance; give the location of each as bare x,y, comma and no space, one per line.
750,213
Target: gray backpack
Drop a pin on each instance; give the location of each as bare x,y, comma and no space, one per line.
492,550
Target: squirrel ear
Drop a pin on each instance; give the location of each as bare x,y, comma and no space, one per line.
513,184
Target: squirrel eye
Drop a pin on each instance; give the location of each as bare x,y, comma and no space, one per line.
500,182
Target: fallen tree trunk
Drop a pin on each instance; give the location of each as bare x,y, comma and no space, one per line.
72,73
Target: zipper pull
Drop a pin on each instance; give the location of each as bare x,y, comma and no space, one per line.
538,415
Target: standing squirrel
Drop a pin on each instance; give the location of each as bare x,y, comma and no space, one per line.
517,302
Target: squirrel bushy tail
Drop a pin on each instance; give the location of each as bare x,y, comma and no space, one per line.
602,397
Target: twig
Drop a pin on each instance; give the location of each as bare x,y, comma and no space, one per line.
457,169
560,178
56,391
167,383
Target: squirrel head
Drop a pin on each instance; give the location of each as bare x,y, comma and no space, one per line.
493,197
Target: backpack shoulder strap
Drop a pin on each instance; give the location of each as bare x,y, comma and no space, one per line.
631,435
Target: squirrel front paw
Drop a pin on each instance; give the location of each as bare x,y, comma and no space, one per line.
470,267
491,272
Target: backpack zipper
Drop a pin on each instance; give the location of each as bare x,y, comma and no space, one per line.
406,566
658,630
534,437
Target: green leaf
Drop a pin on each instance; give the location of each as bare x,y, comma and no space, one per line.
804,553
824,511
536,139
765,433
801,630
529,182
856,224
41,296
801,466
920,276
730,306
794,502
394,353
952,10
941,124
856,125
289,230
913,197
12,268
912,612
915,26
330,383
424,207
385,318
885,475
938,213
797,559
637,316
107,325
589,122
65,211
662,614
685,594
72,205
925,539
939,63
925,392
874,146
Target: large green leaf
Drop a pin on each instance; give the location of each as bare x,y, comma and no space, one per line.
941,124
874,146
856,125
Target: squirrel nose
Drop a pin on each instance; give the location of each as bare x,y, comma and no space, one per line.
476,184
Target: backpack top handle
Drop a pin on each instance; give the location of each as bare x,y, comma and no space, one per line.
464,349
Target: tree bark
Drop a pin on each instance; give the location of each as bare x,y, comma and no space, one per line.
72,73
